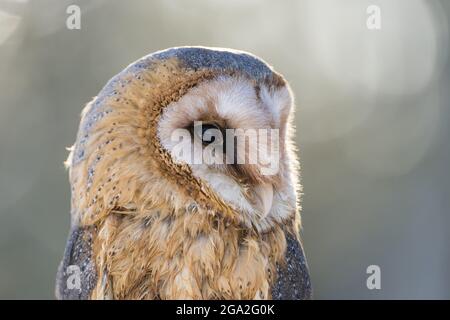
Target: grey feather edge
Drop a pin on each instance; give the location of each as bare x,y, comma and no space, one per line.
78,253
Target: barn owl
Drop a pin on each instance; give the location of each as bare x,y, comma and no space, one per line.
148,223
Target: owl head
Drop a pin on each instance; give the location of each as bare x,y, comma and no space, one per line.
192,128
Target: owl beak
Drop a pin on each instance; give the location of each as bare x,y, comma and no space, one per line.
263,198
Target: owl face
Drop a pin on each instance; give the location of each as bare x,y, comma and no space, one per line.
231,132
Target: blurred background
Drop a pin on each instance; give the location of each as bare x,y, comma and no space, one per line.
372,117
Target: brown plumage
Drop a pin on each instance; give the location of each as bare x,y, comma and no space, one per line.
147,226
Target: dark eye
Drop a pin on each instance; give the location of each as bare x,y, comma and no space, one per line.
207,132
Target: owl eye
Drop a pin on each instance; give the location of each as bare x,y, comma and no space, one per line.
207,132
